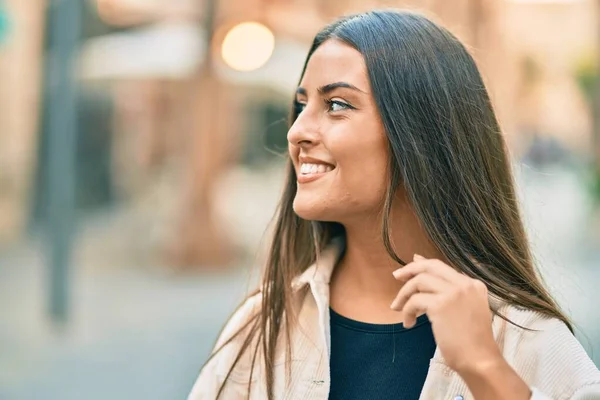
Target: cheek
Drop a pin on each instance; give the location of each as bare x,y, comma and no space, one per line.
366,180
363,166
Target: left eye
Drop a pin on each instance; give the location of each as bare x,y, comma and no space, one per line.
335,105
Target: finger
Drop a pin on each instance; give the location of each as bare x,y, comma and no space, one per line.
431,266
418,257
422,283
416,306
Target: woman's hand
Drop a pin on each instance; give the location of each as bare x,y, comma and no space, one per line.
457,307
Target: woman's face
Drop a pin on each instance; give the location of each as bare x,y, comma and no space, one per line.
337,144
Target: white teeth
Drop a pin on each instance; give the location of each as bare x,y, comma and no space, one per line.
306,168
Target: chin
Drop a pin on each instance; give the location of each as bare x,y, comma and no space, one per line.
312,210
308,213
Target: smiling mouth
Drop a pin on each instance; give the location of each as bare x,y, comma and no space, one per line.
310,168
311,171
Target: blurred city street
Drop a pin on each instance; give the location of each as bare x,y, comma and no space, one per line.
123,344
140,166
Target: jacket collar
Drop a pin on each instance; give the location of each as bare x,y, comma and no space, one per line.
320,271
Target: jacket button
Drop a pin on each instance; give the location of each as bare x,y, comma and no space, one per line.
459,397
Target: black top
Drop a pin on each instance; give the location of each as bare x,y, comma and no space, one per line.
378,362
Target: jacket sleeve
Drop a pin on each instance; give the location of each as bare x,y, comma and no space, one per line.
588,392
207,385
554,363
212,374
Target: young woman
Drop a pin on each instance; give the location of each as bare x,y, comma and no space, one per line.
399,266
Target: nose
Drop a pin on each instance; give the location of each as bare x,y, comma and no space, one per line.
304,132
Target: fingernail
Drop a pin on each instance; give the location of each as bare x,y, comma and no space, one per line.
396,273
417,257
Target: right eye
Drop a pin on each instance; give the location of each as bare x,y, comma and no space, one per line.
299,107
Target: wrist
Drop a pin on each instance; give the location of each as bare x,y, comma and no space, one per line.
482,367
494,378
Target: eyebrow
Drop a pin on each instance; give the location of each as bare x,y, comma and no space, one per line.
330,87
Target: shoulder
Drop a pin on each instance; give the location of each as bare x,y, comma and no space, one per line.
240,320
546,354
225,352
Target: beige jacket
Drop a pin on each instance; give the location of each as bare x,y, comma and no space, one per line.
549,359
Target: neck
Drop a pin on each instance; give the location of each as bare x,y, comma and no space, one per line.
365,271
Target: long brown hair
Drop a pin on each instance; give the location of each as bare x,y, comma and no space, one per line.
446,149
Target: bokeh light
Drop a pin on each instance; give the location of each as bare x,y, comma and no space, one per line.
248,46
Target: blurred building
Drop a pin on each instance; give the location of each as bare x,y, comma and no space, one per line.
551,44
173,126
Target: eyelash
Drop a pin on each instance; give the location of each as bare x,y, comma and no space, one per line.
345,106
299,107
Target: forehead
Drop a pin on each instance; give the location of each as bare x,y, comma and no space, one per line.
335,61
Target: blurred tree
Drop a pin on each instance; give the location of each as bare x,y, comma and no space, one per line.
4,21
587,77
